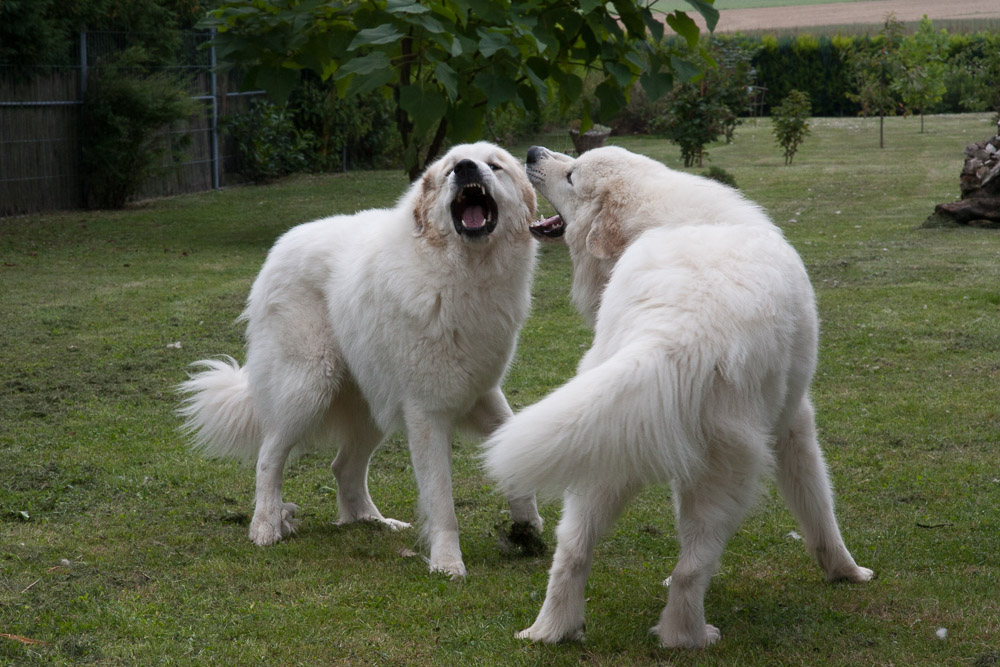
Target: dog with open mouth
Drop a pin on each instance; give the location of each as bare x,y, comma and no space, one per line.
362,325
705,342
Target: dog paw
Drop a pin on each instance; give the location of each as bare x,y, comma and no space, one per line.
392,524
674,639
269,528
526,537
855,574
542,632
455,569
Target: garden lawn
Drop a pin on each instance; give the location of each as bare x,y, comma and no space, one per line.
119,546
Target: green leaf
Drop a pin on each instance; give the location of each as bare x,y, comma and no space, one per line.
612,99
497,88
685,71
465,122
622,74
656,85
447,77
373,62
428,23
628,14
708,12
491,42
361,85
654,24
684,26
405,7
383,34
488,12
425,106
587,6
277,81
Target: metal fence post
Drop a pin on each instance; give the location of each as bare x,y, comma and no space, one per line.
83,62
215,113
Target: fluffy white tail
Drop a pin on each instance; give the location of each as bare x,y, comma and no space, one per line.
636,417
218,411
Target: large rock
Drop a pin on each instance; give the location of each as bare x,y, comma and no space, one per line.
980,184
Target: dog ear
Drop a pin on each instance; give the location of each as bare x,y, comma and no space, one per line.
606,238
528,196
422,206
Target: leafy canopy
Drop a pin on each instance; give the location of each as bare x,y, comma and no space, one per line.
444,63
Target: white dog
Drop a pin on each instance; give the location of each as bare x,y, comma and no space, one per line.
704,347
360,325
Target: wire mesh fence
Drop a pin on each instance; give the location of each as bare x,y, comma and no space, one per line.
41,118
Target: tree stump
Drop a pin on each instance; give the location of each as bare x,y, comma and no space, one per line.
980,183
592,138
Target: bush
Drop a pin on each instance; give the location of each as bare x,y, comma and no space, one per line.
791,124
359,131
721,175
267,142
124,109
814,66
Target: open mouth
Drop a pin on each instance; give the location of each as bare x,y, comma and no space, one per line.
474,211
549,228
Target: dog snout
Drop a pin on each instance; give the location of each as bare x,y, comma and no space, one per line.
536,153
466,170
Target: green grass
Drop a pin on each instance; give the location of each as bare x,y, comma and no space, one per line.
118,546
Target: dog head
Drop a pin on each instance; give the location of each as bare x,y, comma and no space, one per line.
476,191
592,198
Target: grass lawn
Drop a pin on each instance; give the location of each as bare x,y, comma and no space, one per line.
119,546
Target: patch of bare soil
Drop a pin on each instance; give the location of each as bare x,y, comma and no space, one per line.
847,13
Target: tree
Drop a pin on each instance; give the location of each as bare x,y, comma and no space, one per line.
791,122
923,75
875,70
698,111
446,63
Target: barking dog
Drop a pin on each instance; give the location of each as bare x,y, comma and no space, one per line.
358,326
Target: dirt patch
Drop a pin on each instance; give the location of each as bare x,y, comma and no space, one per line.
847,13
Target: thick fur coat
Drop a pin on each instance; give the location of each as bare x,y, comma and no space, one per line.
360,325
705,340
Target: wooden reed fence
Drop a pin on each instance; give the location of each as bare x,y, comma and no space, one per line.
40,121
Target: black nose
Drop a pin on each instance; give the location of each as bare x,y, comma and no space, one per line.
535,154
466,168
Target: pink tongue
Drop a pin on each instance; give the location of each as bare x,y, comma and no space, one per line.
473,217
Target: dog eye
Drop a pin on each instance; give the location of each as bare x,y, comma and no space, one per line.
495,167
569,177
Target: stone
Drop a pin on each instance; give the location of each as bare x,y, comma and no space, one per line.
979,205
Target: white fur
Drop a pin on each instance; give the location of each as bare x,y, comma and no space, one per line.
705,336
360,325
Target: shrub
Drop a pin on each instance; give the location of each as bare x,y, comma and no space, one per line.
359,131
267,142
791,124
721,175
124,109
698,112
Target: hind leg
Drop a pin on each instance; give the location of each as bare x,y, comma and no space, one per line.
805,485
586,516
486,416
273,519
709,510
290,399
361,436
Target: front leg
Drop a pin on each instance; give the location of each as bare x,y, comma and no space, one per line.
430,451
